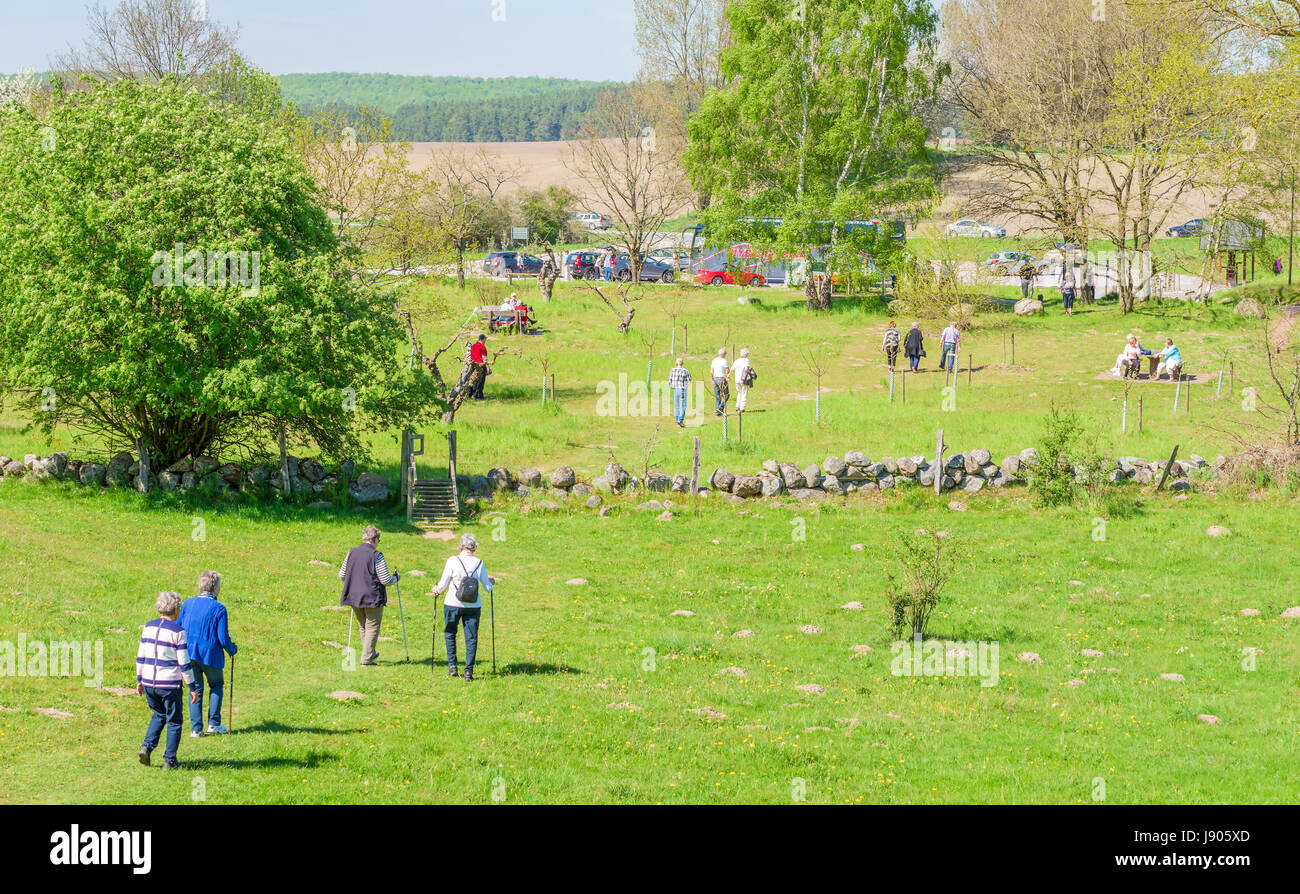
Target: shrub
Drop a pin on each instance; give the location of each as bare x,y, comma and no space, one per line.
914,596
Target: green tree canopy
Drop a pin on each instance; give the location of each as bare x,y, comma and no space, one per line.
819,126
169,274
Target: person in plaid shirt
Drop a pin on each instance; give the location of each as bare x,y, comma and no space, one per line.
679,379
890,344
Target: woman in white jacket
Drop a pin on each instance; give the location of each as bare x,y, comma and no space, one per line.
463,573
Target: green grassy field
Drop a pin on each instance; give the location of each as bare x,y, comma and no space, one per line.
1155,595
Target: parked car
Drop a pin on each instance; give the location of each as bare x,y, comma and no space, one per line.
651,270
971,227
679,258
1010,263
1191,228
720,277
583,265
593,221
499,263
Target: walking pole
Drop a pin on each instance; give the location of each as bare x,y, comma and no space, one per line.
433,661
230,724
492,609
401,613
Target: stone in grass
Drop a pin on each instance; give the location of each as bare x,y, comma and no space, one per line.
1207,718
708,713
56,713
576,581
857,547
1250,612
1030,658
734,672
1092,653
853,606
743,634
957,506
1292,612
860,650
812,688
1218,531
1073,683
666,515
344,695
684,613
1174,678
318,562
810,629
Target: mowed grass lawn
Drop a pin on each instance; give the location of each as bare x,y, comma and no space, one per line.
1156,596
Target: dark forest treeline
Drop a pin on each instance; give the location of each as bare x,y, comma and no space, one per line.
470,110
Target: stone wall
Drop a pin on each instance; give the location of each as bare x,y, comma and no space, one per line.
204,474
836,476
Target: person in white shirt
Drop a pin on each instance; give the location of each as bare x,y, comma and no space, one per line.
459,568
740,371
512,302
720,391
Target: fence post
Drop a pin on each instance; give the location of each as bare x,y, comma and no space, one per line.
938,464
891,386
284,465
695,470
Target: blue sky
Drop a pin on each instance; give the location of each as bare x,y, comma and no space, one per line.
588,39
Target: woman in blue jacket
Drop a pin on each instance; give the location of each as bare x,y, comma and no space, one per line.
207,631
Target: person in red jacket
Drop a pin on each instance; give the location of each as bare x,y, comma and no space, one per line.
478,357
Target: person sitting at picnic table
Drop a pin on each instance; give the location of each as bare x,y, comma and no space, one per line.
1171,360
1127,362
512,302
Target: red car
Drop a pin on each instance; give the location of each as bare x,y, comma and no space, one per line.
729,278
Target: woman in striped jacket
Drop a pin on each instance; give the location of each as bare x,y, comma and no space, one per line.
890,345
161,663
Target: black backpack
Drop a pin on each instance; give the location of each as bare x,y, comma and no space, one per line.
467,590
750,377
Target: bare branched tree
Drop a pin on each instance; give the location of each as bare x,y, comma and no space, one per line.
150,39
635,174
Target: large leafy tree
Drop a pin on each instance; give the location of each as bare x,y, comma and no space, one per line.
818,126
98,332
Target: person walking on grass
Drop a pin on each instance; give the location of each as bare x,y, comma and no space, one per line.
745,376
365,577
890,345
1067,290
951,339
718,368
478,364
162,661
679,380
207,631
463,578
1026,279
914,346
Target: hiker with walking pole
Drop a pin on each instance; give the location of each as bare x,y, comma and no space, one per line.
365,577
207,631
461,579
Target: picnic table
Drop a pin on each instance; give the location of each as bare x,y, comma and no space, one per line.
517,318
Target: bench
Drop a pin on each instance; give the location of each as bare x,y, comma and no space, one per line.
498,318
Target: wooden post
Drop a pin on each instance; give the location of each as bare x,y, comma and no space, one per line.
286,485
938,464
552,387
695,470
451,456
1139,414
1013,349
1172,457
405,461
143,477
